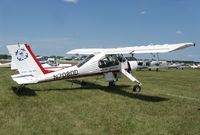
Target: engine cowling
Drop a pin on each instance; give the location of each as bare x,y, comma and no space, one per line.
132,65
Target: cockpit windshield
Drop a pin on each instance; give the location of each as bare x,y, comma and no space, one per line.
108,61
85,60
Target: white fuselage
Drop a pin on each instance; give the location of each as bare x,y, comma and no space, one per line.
89,68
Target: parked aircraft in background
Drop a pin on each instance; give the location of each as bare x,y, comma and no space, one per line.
52,64
177,65
109,62
48,64
151,64
5,65
195,66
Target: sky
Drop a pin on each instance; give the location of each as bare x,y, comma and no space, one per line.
53,27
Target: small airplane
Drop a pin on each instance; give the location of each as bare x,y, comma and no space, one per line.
177,65
195,66
49,64
52,64
151,65
109,62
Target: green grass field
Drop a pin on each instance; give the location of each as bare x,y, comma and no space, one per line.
169,103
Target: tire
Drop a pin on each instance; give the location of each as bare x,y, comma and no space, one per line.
136,88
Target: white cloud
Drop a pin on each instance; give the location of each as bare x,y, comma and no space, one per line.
71,1
143,12
179,32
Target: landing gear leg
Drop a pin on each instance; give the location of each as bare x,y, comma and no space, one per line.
19,88
72,83
111,83
83,83
137,87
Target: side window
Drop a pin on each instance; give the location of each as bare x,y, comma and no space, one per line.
102,63
85,60
108,61
140,63
148,63
121,58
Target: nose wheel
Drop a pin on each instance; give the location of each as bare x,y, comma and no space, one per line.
137,88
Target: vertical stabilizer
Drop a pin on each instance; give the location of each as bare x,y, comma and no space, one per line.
25,61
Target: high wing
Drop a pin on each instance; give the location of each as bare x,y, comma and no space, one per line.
134,50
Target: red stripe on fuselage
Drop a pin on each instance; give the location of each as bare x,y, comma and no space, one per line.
37,61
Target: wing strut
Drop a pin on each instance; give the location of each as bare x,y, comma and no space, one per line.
136,87
129,76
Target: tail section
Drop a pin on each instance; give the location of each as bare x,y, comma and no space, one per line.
25,61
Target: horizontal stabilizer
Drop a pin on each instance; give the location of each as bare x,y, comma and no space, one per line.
24,79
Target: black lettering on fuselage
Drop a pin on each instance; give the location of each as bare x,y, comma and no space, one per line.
65,75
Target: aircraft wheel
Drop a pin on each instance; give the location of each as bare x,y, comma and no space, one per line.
137,88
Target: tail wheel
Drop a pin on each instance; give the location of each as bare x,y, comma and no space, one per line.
137,88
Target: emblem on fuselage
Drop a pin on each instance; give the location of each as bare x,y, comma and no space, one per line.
21,54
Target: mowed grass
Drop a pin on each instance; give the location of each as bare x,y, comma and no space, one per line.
169,103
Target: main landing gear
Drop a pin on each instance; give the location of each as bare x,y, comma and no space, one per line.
83,83
112,83
111,80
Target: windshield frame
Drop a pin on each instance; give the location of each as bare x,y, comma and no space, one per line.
89,57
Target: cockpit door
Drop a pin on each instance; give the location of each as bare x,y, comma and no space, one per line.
123,61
